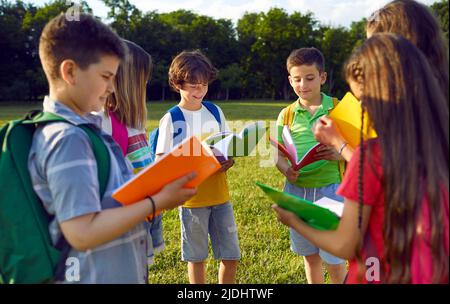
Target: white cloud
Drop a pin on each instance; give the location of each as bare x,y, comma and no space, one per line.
214,8
330,12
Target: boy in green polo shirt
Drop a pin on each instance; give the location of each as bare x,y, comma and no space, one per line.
321,178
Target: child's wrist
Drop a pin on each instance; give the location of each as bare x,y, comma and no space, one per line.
159,200
153,206
338,142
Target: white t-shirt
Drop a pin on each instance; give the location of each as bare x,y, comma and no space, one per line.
200,123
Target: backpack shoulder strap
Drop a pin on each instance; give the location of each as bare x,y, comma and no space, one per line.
177,116
214,111
335,102
102,157
288,115
98,146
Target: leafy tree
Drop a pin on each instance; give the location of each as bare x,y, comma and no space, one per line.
231,78
441,10
336,46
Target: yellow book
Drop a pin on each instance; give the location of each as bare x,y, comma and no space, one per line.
347,116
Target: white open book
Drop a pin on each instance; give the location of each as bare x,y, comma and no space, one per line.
334,206
229,144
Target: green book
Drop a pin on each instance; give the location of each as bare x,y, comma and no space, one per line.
323,214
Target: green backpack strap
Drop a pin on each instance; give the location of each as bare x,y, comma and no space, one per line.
98,146
102,157
27,253
103,166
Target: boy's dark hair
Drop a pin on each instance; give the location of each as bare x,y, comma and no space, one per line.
83,41
191,67
306,56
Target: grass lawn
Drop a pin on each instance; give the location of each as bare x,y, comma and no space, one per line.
264,243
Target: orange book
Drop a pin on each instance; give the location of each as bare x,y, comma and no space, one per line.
189,156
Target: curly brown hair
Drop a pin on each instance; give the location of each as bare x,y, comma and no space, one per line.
191,67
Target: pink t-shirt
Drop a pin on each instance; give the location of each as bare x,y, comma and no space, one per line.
119,132
373,246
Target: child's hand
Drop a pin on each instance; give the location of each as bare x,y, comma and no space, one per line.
286,217
328,153
291,175
326,132
173,194
227,165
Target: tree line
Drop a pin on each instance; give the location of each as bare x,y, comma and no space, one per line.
250,55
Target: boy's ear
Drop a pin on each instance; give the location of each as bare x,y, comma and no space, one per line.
323,78
67,70
290,79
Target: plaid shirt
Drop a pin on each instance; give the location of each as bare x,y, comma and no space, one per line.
63,171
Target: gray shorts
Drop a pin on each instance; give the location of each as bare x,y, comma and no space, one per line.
217,221
301,245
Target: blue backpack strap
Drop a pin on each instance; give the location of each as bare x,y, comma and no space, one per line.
179,132
214,111
153,142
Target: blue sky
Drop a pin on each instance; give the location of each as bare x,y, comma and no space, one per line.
330,12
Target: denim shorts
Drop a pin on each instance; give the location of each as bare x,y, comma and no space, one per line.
217,221
301,245
155,238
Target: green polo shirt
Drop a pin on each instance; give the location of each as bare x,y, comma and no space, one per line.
320,173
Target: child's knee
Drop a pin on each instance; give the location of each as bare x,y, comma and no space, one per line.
230,263
313,260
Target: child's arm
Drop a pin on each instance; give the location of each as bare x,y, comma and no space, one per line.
285,168
227,165
328,153
91,230
342,242
327,133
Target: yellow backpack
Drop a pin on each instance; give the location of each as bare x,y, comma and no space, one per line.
289,118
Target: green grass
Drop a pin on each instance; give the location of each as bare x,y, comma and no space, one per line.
264,243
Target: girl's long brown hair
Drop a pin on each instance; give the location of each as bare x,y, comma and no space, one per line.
410,115
415,22
128,101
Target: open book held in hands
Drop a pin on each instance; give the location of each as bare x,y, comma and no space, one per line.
289,150
228,144
323,214
347,116
191,155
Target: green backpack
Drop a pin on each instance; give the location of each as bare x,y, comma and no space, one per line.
27,254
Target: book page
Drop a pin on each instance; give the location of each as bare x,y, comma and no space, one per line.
215,138
289,144
242,144
331,204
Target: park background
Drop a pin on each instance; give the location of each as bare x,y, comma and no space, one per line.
252,84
